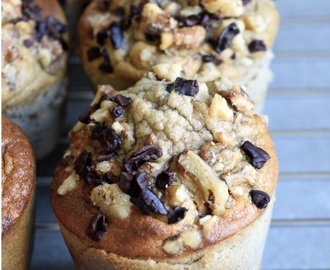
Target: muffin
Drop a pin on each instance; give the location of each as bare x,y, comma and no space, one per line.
34,61
120,41
168,174
17,196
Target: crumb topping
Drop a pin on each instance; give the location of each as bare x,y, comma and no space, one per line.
183,159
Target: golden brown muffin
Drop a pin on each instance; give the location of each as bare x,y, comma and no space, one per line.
168,174
34,61
17,198
121,40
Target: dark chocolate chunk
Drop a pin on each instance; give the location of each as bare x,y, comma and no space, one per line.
225,38
106,65
257,155
107,137
177,214
85,116
147,153
257,45
164,179
97,227
148,203
117,111
152,34
101,37
133,183
208,58
184,87
259,198
116,36
93,53
122,100
82,162
27,43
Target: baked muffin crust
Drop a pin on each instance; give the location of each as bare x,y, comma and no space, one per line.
18,173
121,40
200,137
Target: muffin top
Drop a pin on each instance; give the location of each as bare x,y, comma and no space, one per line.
122,40
165,168
18,173
34,48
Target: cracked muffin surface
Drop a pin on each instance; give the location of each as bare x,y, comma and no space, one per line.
165,169
121,40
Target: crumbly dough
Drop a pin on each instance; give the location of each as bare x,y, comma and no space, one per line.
201,137
182,32
28,70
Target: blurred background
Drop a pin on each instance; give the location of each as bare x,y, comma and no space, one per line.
298,106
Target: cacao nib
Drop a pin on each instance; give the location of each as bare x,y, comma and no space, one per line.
105,157
192,20
27,43
218,62
82,162
148,203
133,183
208,58
97,227
259,198
116,35
106,65
85,116
147,153
245,2
164,179
101,37
117,112
257,155
257,45
107,137
122,100
177,214
152,34
93,53
225,38
184,87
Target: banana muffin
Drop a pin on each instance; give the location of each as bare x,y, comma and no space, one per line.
121,40
168,174
17,196
34,61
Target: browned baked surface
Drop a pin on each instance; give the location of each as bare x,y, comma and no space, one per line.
18,173
34,49
137,235
184,32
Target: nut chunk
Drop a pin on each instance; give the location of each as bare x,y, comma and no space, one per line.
209,181
111,201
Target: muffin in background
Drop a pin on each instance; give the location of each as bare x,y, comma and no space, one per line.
168,174
119,41
34,65
18,178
